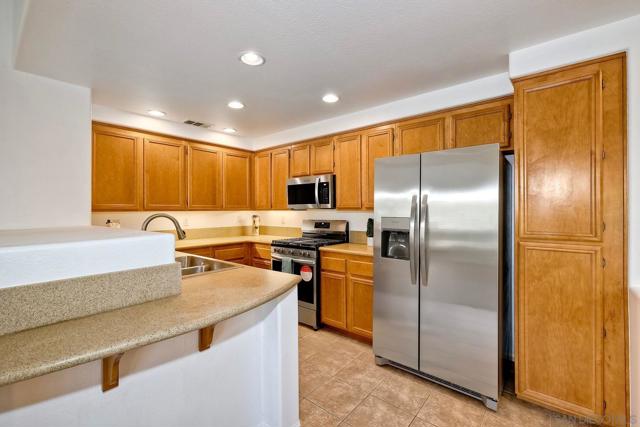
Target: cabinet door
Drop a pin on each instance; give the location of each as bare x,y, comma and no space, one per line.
235,253
479,125
348,174
300,159
376,143
261,263
419,136
560,128
333,298
164,174
322,157
198,251
279,177
262,172
204,177
560,310
360,306
236,170
117,169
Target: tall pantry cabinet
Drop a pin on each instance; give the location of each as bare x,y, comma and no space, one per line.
570,245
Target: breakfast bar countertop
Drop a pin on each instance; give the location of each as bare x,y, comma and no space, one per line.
206,300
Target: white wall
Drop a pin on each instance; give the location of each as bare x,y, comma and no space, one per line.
476,90
133,220
616,37
44,144
118,117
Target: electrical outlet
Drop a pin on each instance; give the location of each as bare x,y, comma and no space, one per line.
185,222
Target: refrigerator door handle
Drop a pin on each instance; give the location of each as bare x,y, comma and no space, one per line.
413,224
424,240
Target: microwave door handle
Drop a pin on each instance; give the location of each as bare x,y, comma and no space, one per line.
424,240
413,222
316,192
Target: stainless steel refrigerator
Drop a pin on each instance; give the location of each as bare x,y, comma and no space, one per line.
438,267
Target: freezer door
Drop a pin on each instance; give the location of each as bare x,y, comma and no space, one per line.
395,307
460,267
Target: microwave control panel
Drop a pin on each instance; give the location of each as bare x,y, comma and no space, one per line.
324,193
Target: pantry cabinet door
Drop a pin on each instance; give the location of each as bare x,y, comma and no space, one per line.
376,143
348,173
116,169
279,177
262,171
164,174
420,135
236,171
204,177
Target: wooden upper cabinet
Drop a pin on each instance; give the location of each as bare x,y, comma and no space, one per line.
279,177
376,143
322,156
236,178
116,170
560,145
300,160
164,174
262,171
420,135
348,173
560,308
487,123
204,180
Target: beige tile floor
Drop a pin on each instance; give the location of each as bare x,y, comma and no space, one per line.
340,384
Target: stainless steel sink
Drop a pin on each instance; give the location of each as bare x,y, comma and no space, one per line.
191,264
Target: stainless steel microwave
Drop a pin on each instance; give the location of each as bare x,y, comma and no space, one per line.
311,192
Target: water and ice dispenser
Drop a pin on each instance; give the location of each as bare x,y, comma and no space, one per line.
395,238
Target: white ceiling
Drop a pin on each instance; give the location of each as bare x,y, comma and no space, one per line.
181,56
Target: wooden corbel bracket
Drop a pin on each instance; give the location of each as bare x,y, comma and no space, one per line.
205,336
111,372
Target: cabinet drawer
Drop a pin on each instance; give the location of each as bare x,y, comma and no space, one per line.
262,263
229,253
262,251
198,251
334,264
361,268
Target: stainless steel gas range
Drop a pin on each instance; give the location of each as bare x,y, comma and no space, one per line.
301,256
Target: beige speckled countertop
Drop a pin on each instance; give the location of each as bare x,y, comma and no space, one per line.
350,249
217,241
205,300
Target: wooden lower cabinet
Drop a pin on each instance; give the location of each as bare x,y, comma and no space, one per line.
346,294
252,254
261,256
205,251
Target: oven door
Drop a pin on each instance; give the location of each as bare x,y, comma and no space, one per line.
308,286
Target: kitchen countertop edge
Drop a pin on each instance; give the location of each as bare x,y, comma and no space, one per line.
350,249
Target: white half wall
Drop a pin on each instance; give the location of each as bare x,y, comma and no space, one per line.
45,150
464,93
114,116
612,38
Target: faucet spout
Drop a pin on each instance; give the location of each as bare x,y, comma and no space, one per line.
179,230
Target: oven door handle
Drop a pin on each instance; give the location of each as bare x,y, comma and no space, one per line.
298,260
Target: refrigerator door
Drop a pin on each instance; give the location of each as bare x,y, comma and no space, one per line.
395,307
460,275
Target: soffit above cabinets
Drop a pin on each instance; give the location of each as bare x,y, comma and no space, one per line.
182,57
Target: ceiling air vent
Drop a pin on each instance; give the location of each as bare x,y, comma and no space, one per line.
198,124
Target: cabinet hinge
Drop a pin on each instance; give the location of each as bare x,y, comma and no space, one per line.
604,405
603,84
604,226
604,332
604,154
604,263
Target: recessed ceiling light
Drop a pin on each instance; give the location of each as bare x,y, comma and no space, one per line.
229,130
252,58
330,98
236,105
156,113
